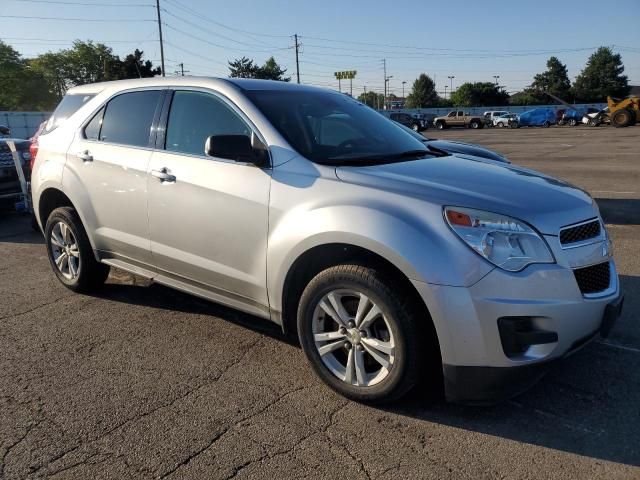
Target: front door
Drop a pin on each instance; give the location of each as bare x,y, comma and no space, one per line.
208,217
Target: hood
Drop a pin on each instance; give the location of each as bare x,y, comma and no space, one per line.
467,149
544,202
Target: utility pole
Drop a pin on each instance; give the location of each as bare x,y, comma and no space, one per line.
160,32
403,89
295,36
384,98
182,70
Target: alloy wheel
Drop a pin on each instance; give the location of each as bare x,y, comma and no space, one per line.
64,250
353,338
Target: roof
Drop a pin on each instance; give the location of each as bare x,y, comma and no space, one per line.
240,83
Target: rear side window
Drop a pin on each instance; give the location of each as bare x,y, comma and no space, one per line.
69,105
194,116
128,118
92,130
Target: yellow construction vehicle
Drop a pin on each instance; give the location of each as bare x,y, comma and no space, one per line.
624,112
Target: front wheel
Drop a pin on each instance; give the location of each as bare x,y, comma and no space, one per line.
415,127
359,335
573,122
70,252
440,125
546,124
500,125
475,125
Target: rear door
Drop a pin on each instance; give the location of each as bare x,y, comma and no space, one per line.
108,160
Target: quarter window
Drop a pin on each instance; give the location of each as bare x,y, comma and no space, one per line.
92,130
194,116
128,118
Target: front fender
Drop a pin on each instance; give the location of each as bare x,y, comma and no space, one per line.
422,250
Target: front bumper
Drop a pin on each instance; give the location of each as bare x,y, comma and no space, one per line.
477,365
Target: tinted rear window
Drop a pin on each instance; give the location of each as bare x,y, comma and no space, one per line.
128,118
69,105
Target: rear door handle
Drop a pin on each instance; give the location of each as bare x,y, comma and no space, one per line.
163,176
85,156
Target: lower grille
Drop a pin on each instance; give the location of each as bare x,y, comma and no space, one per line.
593,279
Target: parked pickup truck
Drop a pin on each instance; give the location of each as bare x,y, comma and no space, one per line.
458,118
10,190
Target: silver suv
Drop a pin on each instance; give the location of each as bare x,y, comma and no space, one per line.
393,261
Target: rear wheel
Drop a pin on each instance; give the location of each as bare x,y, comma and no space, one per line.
70,252
474,124
546,124
500,124
573,122
415,127
359,335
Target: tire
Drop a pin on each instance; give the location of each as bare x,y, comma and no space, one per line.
546,124
592,122
441,125
500,125
393,327
474,124
572,122
83,273
415,127
623,118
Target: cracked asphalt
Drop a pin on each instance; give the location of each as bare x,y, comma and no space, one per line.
144,382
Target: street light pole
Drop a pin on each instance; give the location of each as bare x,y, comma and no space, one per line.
445,91
496,77
386,89
451,77
403,90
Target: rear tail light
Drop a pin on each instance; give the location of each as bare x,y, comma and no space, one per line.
33,150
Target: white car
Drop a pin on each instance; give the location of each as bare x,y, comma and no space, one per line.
503,120
490,116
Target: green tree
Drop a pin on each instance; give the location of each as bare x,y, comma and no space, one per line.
479,94
21,86
554,80
272,71
134,67
372,99
246,68
602,76
423,93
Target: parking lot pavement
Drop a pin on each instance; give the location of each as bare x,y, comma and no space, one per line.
144,382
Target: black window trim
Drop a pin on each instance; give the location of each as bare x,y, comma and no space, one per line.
164,121
103,106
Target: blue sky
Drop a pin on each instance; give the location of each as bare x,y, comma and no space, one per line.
471,40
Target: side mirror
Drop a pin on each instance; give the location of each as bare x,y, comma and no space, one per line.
241,148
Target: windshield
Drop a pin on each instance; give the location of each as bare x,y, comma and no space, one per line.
332,128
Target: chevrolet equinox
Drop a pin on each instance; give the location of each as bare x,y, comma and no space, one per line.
394,262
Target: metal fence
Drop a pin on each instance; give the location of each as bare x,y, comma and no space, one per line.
23,124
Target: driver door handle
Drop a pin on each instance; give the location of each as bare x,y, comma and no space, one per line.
163,176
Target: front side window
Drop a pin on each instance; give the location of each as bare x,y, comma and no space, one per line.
194,116
128,118
327,127
452,114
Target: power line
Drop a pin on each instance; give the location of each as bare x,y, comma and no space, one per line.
89,4
68,19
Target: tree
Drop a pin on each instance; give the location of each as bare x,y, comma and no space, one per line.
554,80
21,87
134,67
372,99
602,76
242,68
479,94
423,93
272,71
246,68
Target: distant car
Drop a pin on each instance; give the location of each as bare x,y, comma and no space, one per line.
452,147
10,190
595,117
504,120
409,121
458,118
491,116
538,117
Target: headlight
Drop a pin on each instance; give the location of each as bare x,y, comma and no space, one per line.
504,241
